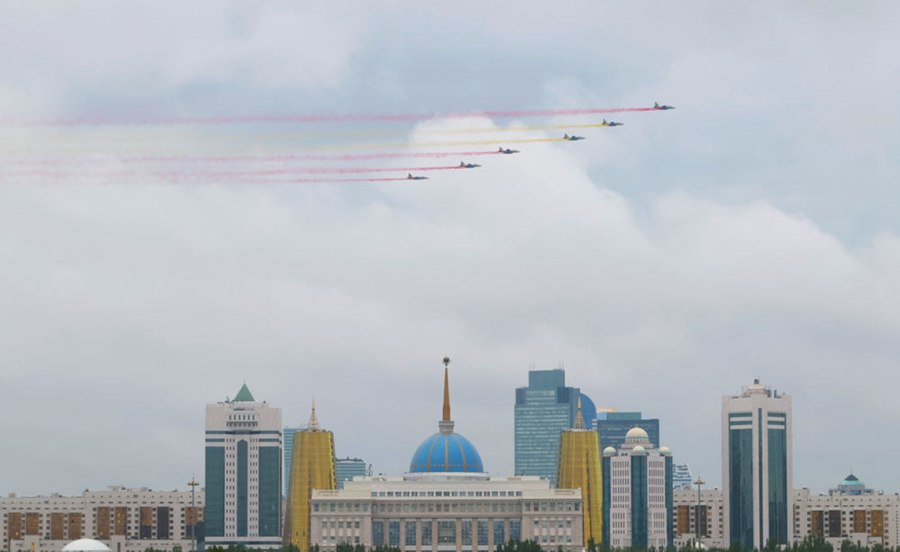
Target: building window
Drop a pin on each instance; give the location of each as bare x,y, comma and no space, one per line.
482,533
394,533
446,532
378,533
426,532
410,533
515,530
466,532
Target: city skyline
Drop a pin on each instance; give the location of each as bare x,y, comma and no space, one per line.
750,232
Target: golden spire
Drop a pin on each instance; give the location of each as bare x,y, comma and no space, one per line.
446,417
579,419
313,424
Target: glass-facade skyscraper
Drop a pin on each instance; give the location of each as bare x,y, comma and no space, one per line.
243,473
543,410
348,468
757,467
613,426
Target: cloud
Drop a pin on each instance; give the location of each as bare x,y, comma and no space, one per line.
151,300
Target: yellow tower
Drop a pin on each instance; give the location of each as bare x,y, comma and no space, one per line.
312,467
580,468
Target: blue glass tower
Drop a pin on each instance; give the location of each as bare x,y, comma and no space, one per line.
543,410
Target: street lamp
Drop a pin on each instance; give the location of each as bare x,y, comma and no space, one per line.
699,483
193,485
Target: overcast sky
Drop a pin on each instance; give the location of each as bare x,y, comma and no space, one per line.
752,232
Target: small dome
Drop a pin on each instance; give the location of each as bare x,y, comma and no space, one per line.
852,480
665,451
639,450
446,453
86,545
636,432
609,451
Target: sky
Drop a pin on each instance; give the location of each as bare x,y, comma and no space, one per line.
751,232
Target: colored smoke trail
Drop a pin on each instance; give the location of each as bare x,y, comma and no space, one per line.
337,118
36,161
178,175
444,144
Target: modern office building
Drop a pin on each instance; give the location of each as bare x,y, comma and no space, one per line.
579,468
287,436
757,464
347,468
681,477
705,508
125,520
313,468
243,472
637,497
447,503
543,410
612,427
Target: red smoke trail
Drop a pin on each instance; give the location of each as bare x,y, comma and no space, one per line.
174,174
248,158
346,118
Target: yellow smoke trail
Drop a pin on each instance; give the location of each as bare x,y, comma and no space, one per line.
387,133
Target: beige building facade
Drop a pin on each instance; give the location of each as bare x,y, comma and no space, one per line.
126,520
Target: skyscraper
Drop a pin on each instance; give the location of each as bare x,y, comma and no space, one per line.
543,410
288,438
757,467
637,494
312,468
612,427
681,477
579,468
348,468
243,472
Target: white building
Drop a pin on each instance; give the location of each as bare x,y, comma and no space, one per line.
757,467
447,512
126,520
849,512
639,482
243,472
446,502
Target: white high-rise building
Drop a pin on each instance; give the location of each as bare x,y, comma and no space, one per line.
243,472
757,467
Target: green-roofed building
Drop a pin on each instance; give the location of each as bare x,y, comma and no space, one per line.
243,438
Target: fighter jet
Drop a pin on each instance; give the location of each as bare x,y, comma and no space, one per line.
610,123
663,107
409,176
507,151
572,138
467,165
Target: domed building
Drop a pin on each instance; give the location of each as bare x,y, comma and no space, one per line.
446,451
446,502
632,490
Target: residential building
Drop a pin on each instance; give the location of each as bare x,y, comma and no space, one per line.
543,410
612,427
348,468
243,472
126,520
579,468
757,466
313,468
687,513
637,494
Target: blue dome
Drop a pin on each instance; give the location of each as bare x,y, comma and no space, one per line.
588,411
446,452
